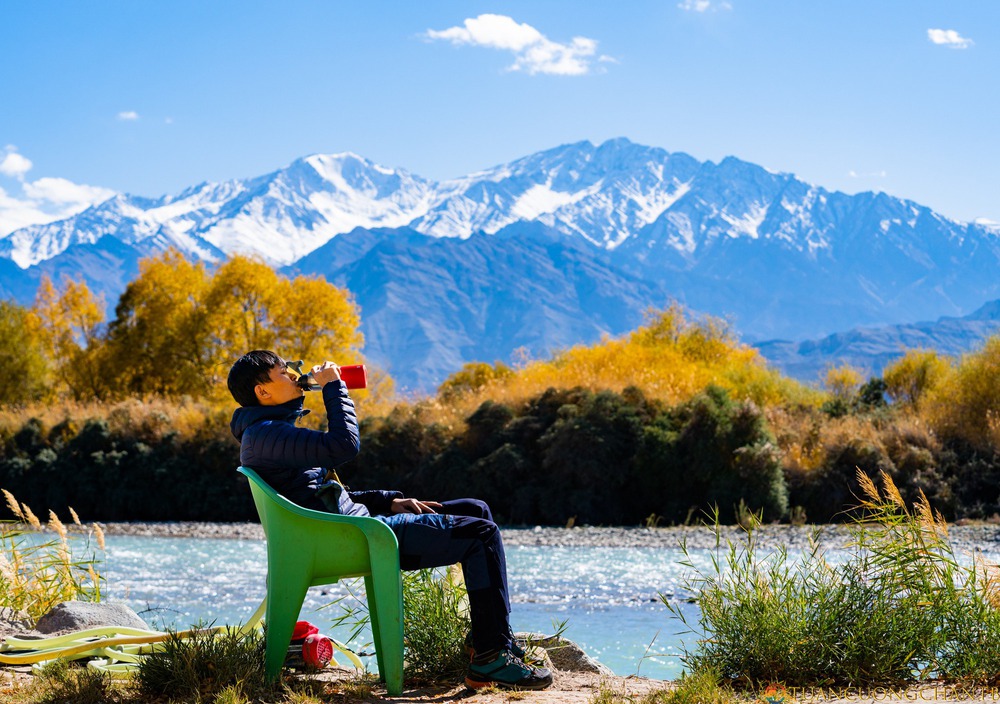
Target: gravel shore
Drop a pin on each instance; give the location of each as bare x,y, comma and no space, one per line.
964,538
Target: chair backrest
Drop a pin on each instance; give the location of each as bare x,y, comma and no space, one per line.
266,498
332,541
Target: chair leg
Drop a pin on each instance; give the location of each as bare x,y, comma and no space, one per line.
385,607
284,601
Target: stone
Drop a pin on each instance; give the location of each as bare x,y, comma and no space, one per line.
564,654
12,621
78,615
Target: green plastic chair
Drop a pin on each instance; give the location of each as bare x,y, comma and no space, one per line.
308,548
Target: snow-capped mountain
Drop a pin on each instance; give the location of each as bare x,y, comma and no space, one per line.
603,193
779,257
280,217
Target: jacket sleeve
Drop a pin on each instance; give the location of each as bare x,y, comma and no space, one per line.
377,501
280,444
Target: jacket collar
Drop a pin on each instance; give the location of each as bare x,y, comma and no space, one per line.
245,416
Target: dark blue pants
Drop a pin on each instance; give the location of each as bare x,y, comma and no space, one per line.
462,531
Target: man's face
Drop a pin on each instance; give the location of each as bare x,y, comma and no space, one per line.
280,388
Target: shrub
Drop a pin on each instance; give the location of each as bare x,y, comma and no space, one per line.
842,381
61,682
900,608
435,621
709,451
585,456
911,376
965,406
204,663
473,377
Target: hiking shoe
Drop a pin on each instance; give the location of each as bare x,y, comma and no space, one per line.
505,670
516,646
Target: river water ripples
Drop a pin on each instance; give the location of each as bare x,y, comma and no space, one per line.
608,595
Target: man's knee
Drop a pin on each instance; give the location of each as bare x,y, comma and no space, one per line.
480,529
468,507
482,509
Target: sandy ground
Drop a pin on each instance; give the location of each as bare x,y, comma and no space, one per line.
567,688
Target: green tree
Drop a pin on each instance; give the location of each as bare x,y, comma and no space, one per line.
22,355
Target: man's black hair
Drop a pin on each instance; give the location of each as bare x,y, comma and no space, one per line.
251,369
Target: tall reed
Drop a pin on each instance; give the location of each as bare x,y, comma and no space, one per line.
901,607
36,574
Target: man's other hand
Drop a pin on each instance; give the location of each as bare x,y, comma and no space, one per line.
414,506
324,373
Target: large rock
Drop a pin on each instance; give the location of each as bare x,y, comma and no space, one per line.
564,654
78,615
11,620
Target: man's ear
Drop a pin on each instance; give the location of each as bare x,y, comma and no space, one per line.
261,393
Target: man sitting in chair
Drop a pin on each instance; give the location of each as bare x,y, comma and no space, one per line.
298,463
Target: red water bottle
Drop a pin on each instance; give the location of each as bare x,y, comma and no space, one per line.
354,376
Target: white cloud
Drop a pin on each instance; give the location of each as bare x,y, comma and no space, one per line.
15,214
43,200
63,191
949,38
870,174
533,51
128,115
704,5
13,164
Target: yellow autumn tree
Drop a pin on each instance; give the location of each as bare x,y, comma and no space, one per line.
240,302
672,357
159,339
70,320
965,404
315,321
843,381
911,376
178,327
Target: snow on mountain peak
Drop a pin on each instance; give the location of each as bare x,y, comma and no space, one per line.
609,194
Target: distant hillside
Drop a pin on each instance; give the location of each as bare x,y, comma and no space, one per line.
872,349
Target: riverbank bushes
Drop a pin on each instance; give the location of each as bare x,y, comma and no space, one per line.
570,454
597,458
655,427
130,465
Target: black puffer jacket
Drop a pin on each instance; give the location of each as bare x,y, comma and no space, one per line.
294,460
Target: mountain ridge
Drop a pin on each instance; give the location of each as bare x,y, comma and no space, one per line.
779,257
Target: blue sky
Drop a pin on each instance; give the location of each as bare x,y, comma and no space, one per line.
148,98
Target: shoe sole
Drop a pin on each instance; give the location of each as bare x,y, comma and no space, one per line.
479,684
